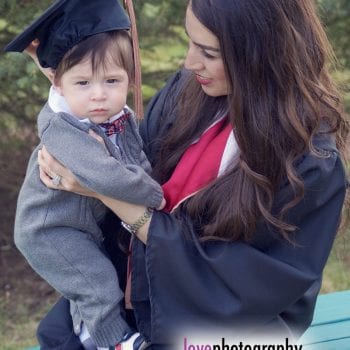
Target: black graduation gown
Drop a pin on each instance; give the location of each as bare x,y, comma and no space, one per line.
267,286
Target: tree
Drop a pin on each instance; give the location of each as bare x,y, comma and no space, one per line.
162,41
24,88
335,15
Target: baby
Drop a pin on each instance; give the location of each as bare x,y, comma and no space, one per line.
87,45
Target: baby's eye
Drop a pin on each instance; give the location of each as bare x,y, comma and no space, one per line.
112,81
83,82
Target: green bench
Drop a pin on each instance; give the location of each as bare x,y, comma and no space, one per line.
330,328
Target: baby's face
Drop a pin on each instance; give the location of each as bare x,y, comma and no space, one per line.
95,96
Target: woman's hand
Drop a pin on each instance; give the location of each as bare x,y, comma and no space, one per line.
52,170
56,176
31,51
128,213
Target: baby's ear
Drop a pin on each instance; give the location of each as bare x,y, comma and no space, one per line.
57,86
51,75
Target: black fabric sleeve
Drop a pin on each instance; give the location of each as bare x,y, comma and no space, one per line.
233,284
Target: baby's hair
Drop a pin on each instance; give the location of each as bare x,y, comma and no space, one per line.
100,49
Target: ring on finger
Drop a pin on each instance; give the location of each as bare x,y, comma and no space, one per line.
56,180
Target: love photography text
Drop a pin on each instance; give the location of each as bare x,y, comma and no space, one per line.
223,344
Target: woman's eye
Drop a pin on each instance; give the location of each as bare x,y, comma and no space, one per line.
207,55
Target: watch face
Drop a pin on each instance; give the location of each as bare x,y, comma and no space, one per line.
128,227
139,222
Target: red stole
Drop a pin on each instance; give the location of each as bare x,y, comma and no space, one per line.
198,166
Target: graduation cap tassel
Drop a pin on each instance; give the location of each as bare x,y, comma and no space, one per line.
138,101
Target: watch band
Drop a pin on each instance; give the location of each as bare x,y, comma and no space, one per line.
133,228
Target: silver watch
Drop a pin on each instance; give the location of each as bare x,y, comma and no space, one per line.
133,228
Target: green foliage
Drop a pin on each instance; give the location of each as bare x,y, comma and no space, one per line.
156,18
162,41
24,89
335,15
163,46
336,273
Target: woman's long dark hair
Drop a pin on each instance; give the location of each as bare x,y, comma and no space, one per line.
276,56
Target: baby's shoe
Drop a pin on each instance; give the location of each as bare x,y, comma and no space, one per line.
132,341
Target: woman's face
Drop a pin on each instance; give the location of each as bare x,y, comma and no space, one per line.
204,57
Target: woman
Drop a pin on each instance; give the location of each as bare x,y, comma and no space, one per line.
248,143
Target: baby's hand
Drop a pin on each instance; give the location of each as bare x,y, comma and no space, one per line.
98,138
162,205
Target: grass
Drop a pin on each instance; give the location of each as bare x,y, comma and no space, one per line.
18,323
18,333
24,300
337,270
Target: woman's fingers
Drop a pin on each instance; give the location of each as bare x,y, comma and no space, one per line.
52,173
43,166
31,51
56,176
50,164
48,176
46,179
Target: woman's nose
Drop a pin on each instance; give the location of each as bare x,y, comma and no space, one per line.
193,59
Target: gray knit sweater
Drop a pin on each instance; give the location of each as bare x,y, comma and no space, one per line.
58,231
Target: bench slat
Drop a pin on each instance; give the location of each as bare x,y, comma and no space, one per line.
339,344
330,328
332,307
327,332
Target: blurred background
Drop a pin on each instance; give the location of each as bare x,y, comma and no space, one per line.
24,296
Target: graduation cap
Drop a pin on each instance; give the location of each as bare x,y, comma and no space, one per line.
67,22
